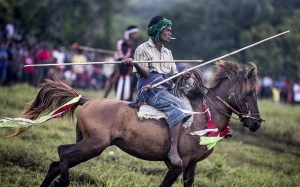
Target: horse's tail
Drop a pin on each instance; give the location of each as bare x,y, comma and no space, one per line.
51,95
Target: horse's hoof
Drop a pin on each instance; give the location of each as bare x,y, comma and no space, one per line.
55,183
228,135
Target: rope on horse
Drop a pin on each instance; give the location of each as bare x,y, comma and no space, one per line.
183,87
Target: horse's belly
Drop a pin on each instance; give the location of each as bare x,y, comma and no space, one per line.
150,141
143,151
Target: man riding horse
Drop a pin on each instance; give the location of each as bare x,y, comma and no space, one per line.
159,30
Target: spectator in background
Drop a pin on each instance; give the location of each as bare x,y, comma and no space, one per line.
44,56
286,92
266,87
69,77
9,31
107,71
296,91
79,70
12,53
277,89
59,58
3,62
122,76
29,71
275,94
289,91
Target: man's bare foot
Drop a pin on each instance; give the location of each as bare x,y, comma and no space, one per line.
175,159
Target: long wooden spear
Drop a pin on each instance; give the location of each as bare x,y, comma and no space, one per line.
116,62
213,60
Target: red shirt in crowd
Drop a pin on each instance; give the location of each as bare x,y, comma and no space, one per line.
44,55
29,60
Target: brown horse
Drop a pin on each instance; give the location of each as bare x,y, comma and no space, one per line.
105,122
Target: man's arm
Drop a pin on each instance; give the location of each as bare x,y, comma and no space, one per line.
142,71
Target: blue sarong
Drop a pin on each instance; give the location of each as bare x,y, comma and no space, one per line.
153,78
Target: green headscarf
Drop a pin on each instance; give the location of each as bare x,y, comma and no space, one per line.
155,30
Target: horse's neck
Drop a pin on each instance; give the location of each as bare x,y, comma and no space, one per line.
221,120
199,120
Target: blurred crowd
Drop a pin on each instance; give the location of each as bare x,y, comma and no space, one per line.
279,89
17,50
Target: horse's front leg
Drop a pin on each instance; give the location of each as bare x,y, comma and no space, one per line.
171,175
188,175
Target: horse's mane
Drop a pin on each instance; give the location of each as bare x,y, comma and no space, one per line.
246,75
231,70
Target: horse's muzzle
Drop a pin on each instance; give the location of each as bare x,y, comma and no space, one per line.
252,123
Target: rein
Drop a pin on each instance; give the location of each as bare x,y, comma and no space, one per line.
240,114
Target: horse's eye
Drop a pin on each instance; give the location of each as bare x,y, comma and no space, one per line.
246,94
250,93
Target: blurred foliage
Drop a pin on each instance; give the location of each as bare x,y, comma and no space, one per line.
207,29
65,22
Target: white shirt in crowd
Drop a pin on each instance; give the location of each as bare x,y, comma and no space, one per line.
60,57
267,81
296,90
9,30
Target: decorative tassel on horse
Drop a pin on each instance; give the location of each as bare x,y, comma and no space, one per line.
24,122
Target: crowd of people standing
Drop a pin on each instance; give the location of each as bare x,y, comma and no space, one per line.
17,50
279,89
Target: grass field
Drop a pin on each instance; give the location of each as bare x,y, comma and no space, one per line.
269,157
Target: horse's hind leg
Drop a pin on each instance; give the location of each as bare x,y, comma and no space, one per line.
79,135
74,154
70,156
53,172
54,169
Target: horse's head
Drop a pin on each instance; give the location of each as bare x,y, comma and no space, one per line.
241,91
244,97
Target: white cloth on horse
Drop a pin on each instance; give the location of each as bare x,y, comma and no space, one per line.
149,112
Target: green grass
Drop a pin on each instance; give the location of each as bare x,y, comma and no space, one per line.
268,157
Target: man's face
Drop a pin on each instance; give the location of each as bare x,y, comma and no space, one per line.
165,36
133,36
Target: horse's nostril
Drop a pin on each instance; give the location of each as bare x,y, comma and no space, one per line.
256,124
244,121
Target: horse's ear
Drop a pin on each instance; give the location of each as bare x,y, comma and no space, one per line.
250,73
259,70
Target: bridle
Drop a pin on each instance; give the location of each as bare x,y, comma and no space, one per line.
241,114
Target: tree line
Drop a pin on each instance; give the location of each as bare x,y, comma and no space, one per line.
207,29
